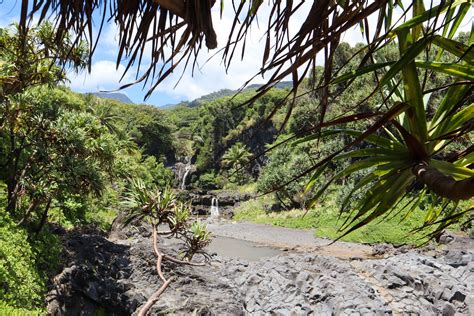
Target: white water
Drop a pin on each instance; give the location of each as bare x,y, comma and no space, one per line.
215,207
186,172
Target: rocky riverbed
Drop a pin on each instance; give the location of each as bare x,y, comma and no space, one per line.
116,275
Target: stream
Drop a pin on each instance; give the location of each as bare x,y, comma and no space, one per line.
232,248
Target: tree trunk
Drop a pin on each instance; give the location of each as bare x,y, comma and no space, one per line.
444,185
31,208
44,217
11,196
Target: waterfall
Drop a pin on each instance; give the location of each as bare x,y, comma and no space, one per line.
215,207
186,172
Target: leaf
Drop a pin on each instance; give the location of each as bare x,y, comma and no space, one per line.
314,177
449,169
453,69
358,185
429,14
374,139
454,95
356,166
463,9
456,48
396,190
360,71
451,123
387,154
465,161
255,5
409,55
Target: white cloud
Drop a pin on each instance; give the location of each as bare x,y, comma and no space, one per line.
212,76
103,76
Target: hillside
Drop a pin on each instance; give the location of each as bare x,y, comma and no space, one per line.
222,93
122,97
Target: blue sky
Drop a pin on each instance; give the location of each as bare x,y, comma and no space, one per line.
212,76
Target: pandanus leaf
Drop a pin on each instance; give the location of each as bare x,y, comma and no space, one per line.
387,154
373,139
465,161
395,189
457,70
456,48
457,172
463,9
452,123
359,184
429,14
451,100
360,71
354,167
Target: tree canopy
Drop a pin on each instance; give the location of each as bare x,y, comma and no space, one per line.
409,141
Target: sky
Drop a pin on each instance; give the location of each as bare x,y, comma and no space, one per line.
210,77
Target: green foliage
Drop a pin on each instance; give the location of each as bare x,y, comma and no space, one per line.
288,162
325,219
225,121
6,309
20,283
198,237
209,181
160,207
148,127
66,158
236,159
419,131
35,58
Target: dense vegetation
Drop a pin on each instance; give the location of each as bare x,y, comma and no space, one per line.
381,133
223,134
67,160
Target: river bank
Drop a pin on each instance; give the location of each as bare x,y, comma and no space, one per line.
115,275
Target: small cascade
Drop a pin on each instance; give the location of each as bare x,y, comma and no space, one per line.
215,208
187,169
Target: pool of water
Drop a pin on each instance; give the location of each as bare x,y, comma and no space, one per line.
227,247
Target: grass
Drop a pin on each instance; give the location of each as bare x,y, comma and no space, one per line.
326,223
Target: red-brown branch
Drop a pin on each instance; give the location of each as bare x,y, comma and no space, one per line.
442,184
154,298
159,257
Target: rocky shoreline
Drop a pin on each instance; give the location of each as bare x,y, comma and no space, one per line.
115,276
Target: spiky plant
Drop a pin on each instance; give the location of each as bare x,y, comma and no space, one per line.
409,155
183,25
161,208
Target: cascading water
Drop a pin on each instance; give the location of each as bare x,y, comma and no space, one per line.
215,207
186,172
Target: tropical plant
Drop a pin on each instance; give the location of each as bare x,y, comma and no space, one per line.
236,158
412,152
403,85
144,202
287,162
21,285
52,151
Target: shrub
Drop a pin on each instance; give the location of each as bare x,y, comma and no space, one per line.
208,181
20,283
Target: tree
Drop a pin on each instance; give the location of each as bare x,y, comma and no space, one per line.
401,82
236,158
161,208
